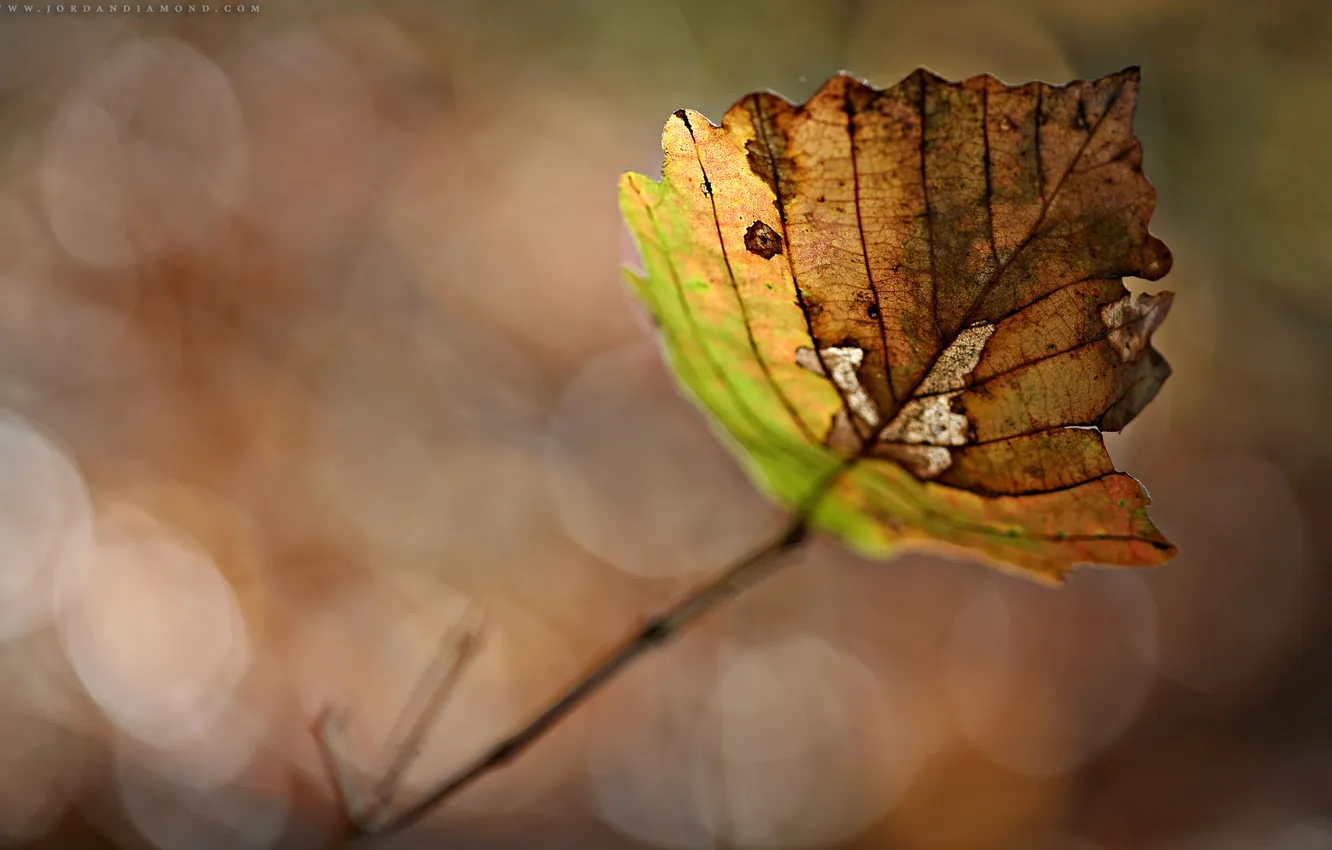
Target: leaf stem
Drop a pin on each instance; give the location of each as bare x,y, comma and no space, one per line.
652,634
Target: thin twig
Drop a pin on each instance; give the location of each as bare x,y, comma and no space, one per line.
457,649
339,771
654,633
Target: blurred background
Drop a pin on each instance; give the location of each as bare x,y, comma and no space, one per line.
313,338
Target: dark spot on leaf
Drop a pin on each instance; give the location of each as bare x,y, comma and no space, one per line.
873,311
763,240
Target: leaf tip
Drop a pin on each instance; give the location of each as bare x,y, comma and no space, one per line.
1158,260
1128,80
922,75
636,280
691,119
635,189
849,77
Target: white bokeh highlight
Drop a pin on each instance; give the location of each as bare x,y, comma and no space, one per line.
622,503
147,153
152,629
1041,680
45,523
796,743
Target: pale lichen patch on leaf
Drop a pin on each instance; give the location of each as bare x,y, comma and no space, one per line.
927,424
924,462
1131,322
957,362
840,363
927,421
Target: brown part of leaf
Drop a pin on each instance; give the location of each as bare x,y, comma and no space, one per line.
1030,463
970,238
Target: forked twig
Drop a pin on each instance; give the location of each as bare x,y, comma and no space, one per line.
654,633
457,649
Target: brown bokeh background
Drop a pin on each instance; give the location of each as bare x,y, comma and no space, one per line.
313,338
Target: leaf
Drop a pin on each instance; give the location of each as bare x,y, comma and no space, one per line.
915,296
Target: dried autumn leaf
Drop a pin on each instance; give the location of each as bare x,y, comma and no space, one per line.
916,294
